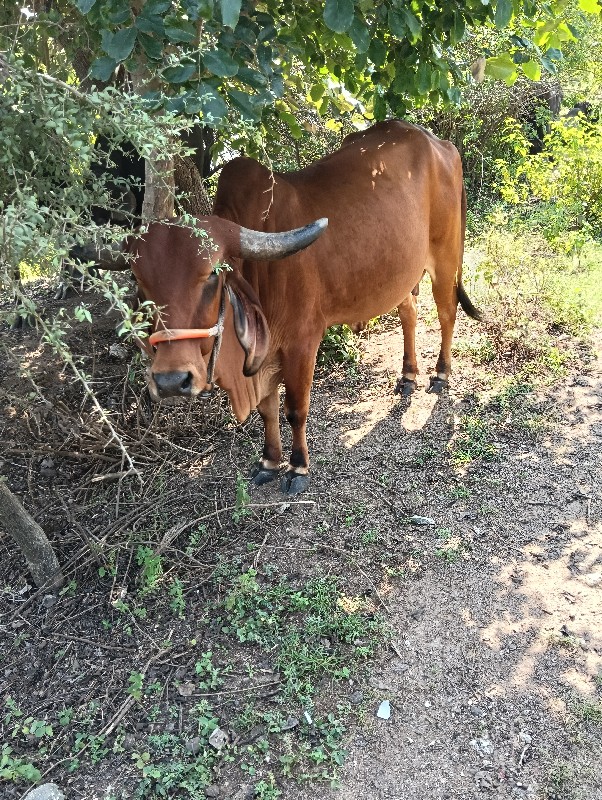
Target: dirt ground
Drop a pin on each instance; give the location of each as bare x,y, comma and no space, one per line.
481,546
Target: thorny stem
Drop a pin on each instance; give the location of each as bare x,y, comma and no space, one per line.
65,354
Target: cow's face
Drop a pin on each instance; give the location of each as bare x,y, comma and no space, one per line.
199,295
179,273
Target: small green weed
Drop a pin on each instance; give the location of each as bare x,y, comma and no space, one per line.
152,568
16,770
208,673
472,441
587,710
242,499
449,546
339,346
370,537
136,682
176,593
559,784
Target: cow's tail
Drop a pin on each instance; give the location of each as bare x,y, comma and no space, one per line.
463,298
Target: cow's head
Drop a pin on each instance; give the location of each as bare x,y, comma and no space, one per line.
205,305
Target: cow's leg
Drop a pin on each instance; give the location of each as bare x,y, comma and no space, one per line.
408,313
297,377
266,469
446,298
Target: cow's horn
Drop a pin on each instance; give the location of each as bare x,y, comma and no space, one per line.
255,244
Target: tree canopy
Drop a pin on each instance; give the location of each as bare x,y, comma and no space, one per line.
227,61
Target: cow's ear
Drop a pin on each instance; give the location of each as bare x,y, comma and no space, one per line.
250,323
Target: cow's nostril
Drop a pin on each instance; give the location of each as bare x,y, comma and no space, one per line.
173,384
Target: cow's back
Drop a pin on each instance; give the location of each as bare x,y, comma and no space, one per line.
391,194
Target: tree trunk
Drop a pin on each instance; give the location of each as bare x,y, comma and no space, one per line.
195,199
159,189
41,559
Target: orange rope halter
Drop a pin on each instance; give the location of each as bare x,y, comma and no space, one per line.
175,334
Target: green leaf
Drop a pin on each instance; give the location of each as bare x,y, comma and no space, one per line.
413,23
120,44
179,74
213,107
103,68
252,78
245,105
220,63
459,27
317,92
360,35
380,107
85,6
423,78
397,23
293,125
151,46
152,24
230,12
377,52
590,6
532,70
503,13
338,15
554,54
501,67
183,32
152,7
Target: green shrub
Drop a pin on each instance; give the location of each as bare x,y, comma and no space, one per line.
339,346
566,176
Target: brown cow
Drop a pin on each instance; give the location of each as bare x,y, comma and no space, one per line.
395,204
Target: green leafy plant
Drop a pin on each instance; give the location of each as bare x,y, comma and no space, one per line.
339,346
17,770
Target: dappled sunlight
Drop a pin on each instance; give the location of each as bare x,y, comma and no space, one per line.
559,607
417,415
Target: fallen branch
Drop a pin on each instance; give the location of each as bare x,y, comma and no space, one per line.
31,539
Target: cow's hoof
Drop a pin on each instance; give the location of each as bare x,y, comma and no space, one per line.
405,387
437,385
23,322
293,482
63,291
261,475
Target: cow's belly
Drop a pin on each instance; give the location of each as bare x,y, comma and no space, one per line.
368,295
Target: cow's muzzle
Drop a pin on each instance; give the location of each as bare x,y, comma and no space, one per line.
173,384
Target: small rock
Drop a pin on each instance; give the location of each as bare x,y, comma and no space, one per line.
483,746
356,698
593,579
415,519
186,689
218,739
212,791
49,600
47,791
48,470
193,745
476,711
384,710
289,724
525,737
118,352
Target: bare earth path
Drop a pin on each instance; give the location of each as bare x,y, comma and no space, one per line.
499,653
